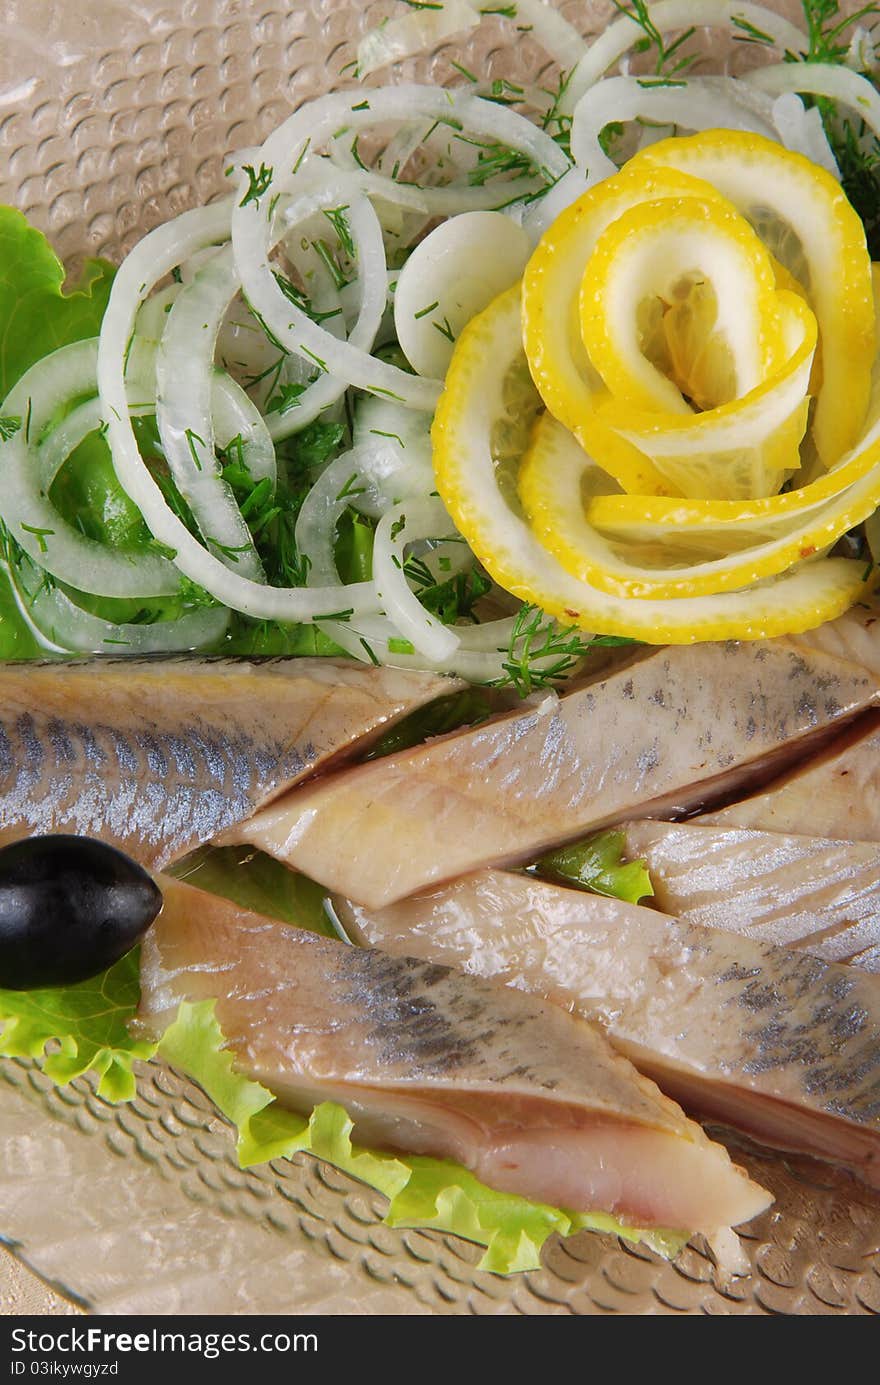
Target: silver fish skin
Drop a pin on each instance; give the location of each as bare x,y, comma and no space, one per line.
659,737
801,892
156,756
835,794
772,1041
428,1060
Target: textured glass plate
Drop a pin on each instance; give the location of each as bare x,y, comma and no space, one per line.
114,116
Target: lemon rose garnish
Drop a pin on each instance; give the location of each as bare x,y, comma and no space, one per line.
700,332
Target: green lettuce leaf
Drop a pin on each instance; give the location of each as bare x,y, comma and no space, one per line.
597,865
422,1192
86,1026
258,882
16,640
36,315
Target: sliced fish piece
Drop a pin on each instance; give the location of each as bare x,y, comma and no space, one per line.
854,636
836,794
801,892
775,1042
157,756
659,737
430,1061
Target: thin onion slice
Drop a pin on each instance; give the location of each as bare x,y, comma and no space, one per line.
184,369
413,34
837,83
154,257
288,147
65,625
699,103
668,16
43,392
396,531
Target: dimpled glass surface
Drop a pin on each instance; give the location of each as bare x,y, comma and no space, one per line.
113,117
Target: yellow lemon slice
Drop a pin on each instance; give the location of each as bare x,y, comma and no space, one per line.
568,383
557,477
487,515
653,519
807,222
657,254
743,448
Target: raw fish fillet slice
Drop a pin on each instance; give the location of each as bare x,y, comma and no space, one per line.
803,892
782,1045
158,755
854,636
836,794
431,1061
658,737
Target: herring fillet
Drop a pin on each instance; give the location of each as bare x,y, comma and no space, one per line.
801,892
428,1060
156,756
835,795
659,737
780,1044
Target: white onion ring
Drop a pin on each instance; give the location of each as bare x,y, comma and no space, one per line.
184,370
287,146
154,257
700,103
48,539
65,625
413,33
667,16
321,510
396,530
822,79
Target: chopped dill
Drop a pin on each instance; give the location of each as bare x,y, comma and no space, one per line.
349,488
444,329
191,439
328,258
300,300
338,220
258,183
39,534
541,653
749,33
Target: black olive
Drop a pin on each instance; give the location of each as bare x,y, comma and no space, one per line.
69,908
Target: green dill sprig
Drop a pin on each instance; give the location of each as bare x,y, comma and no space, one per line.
9,426
301,300
329,259
541,653
39,534
451,599
668,58
856,150
338,220
829,40
258,182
